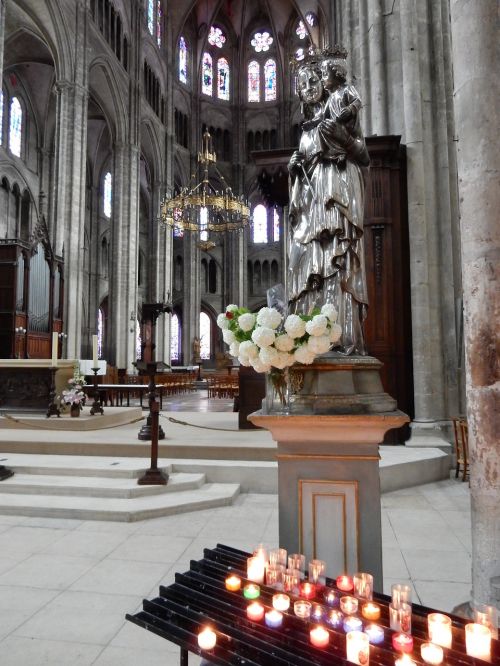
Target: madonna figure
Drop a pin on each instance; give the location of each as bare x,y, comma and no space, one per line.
327,183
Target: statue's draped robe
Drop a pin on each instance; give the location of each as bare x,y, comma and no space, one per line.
326,256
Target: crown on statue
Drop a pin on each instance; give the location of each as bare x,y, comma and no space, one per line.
336,52
313,56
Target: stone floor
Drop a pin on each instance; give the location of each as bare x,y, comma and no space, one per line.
66,585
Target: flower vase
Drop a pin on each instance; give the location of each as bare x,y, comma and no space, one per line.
74,410
277,392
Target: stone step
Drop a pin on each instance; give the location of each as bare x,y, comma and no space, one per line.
208,496
91,486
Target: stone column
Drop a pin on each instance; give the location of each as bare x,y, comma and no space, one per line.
475,57
191,301
2,31
124,238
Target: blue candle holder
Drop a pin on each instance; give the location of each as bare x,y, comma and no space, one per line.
335,618
375,633
352,624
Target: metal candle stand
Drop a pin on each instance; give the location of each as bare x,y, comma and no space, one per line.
53,409
146,431
154,476
96,405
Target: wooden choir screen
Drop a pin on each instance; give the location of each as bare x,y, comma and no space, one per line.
31,296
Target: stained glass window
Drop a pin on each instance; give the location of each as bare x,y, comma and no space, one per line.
203,224
175,330
270,80
261,41
183,57
260,224
15,127
159,26
205,335
151,16
1,116
312,19
299,54
206,74
100,332
276,225
253,81
107,194
223,78
216,37
138,340
178,230
301,30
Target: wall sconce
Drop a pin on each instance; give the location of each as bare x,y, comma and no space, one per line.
62,336
133,316
20,330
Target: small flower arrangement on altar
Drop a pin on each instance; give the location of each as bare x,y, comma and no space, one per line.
73,395
271,343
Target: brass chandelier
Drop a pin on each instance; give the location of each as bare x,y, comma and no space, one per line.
224,211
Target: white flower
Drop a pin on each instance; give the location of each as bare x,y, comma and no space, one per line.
231,308
258,366
295,326
268,354
248,349
263,337
269,317
222,321
319,344
284,343
244,360
228,336
318,325
335,333
246,321
329,311
234,349
304,355
283,360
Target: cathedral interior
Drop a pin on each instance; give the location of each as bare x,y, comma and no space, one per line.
103,108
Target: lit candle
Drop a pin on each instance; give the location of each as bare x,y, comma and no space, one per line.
261,552
233,583
94,351
352,623
404,660
358,648
331,597
317,571
308,590
207,639
478,641
439,629
274,619
281,602
255,611
255,569
349,605
400,617
487,615
371,611
317,612
319,636
251,591
375,633
402,642
55,348
302,609
431,654
335,618
344,583
363,586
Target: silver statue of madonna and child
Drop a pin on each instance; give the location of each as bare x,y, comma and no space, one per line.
326,263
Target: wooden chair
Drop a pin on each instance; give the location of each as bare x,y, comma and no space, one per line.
461,432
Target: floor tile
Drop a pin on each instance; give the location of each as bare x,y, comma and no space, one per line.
151,548
86,544
20,540
439,566
19,651
121,577
51,572
443,596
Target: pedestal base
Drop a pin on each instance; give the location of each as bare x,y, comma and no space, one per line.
329,487
153,477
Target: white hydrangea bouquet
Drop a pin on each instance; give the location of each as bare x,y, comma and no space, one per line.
269,342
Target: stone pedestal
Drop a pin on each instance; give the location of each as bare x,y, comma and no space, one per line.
328,464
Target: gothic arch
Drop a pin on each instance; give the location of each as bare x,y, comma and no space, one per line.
105,88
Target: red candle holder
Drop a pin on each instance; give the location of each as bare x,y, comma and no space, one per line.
307,590
345,583
402,642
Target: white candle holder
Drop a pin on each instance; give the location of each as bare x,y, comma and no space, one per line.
400,617
297,561
401,594
317,572
278,556
255,569
439,629
291,581
487,615
302,609
478,641
431,654
358,648
349,605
